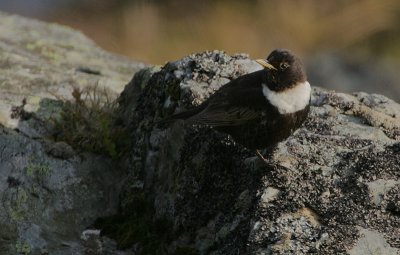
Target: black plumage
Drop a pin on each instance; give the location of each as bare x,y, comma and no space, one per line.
241,108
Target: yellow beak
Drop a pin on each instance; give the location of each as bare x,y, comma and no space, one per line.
265,64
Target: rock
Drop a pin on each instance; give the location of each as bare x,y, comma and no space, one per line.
379,188
48,201
372,242
331,188
50,192
319,193
40,60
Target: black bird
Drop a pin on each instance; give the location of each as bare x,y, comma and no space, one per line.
258,109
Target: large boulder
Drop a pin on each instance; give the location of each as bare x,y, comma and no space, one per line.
50,192
41,60
331,188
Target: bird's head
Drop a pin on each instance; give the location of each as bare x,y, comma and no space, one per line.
284,70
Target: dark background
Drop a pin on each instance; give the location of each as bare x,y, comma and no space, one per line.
351,45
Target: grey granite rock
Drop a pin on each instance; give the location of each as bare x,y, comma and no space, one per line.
46,202
40,60
328,189
50,193
331,188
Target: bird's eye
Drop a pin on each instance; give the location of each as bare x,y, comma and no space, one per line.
283,65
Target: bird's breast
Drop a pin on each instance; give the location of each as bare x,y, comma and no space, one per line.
290,100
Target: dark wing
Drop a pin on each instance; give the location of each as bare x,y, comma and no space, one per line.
236,103
224,116
183,115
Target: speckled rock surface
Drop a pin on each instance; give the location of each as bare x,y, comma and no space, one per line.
49,193
40,60
330,188
47,202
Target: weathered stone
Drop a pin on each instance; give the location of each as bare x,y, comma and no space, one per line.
312,197
49,192
48,201
40,60
331,188
372,242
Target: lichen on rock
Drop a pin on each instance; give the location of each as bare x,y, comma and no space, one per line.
216,192
49,191
330,188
